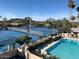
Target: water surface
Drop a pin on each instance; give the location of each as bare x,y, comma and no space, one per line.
66,49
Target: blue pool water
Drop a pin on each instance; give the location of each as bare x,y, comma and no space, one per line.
65,49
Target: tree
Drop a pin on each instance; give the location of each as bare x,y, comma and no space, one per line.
59,23
28,22
5,22
78,12
23,39
51,22
77,9
71,4
0,16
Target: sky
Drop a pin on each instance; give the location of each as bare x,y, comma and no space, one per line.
37,9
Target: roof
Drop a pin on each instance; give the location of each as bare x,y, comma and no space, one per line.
75,30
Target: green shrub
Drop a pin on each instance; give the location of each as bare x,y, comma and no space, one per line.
23,39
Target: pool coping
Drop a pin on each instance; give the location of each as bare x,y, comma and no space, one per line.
72,39
43,51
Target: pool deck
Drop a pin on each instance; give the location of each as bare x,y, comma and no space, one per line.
43,51
77,39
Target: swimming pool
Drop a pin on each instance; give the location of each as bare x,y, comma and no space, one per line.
65,49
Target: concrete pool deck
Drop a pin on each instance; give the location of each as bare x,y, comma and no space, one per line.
77,39
43,51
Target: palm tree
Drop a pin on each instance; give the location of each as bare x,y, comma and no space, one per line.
78,12
71,5
77,9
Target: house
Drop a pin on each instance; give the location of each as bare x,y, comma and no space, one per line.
75,32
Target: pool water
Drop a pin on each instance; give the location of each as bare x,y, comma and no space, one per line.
65,49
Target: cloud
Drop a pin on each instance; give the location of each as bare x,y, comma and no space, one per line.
35,16
9,15
44,17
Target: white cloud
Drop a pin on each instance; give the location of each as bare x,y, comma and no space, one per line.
36,16
10,15
44,17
